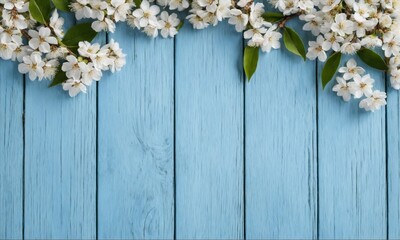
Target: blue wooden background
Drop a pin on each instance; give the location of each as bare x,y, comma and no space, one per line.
179,145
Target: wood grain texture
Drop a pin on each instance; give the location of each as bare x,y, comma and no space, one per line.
60,165
281,153
209,134
393,161
11,151
352,167
245,154
60,162
136,141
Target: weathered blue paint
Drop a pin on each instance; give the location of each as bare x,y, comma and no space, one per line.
11,151
393,167
178,145
352,167
209,134
60,164
136,142
281,153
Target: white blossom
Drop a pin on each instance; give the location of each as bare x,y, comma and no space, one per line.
239,19
337,26
168,24
342,89
71,67
74,87
50,68
146,15
342,26
33,65
42,39
316,50
271,40
89,50
57,23
361,86
391,44
395,78
351,70
117,57
7,47
374,102
180,5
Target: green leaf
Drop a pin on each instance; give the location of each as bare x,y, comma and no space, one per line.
372,59
250,60
293,42
40,10
78,33
59,78
330,68
62,5
137,3
273,17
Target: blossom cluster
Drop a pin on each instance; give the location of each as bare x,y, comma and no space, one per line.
339,26
245,15
369,29
354,83
146,17
347,27
93,59
41,53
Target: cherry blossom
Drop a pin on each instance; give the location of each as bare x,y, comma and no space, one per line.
334,27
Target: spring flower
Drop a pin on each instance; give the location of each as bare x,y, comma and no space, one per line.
391,44
57,23
89,50
71,67
239,19
33,65
168,24
342,89
74,87
351,70
271,40
361,86
342,26
316,50
332,41
374,102
42,39
119,9
337,26
395,79
7,47
179,5
116,56
146,14
328,5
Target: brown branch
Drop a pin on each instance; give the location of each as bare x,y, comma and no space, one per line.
282,24
26,35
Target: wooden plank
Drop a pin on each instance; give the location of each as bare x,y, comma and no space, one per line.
60,165
136,141
393,167
281,155
209,134
11,151
352,167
